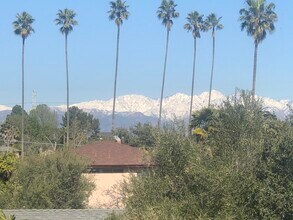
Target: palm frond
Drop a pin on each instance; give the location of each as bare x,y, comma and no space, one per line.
258,19
66,19
118,12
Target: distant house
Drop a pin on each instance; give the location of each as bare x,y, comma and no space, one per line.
110,163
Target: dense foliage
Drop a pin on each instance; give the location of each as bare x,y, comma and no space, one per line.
140,135
51,181
42,129
242,169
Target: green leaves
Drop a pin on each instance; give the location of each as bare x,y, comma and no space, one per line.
23,25
118,12
257,19
66,19
243,170
49,181
167,12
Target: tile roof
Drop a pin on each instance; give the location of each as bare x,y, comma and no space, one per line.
110,153
62,214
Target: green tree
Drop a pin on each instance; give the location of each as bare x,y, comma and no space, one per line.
66,19
23,28
257,19
43,124
213,23
52,181
83,126
166,12
117,13
195,24
11,128
244,171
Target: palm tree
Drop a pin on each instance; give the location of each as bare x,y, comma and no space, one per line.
23,28
66,20
195,24
257,19
166,13
117,13
213,23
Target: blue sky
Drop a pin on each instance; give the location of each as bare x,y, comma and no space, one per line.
92,52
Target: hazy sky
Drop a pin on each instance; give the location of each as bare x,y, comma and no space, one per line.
92,52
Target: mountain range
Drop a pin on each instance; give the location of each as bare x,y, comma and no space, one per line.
131,109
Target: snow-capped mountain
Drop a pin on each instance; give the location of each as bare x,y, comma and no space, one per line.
131,109
176,105
4,108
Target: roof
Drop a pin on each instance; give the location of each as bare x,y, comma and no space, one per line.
64,214
110,153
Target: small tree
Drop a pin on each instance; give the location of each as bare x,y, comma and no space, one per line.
52,181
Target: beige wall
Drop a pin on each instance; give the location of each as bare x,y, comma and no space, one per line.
106,193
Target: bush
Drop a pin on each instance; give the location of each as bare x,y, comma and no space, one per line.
52,181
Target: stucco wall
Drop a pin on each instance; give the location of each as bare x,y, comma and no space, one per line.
106,193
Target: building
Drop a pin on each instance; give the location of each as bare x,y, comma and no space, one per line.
110,163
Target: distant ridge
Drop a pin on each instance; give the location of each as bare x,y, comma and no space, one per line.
131,109
175,105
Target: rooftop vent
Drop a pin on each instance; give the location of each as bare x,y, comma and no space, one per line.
117,139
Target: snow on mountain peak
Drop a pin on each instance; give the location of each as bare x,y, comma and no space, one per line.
4,108
176,105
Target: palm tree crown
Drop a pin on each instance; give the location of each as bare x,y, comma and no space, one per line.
118,12
195,24
66,19
23,25
257,19
166,12
213,23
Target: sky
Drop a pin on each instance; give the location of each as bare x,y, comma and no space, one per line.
92,48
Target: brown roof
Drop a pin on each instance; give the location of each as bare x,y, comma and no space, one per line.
110,153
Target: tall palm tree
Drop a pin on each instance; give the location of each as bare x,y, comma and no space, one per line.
118,13
213,23
66,19
166,12
23,28
257,19
195,24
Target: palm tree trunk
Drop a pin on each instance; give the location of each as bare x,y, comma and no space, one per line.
254,69
212,71
67,88
164,73
22,102
192,83
115,81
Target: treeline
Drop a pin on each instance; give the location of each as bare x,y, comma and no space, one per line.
42,131
238,165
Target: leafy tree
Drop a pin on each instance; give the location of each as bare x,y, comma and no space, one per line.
204,122
67,187
140,135
244,171
23,28
66,19
257,19
213,23
11,129
117,13
7,167
143,135
43,124
195,24
83,126
166,12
